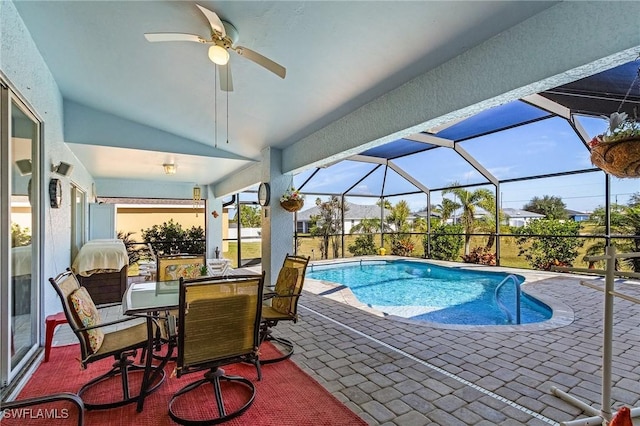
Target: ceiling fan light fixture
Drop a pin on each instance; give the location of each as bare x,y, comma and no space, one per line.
218,55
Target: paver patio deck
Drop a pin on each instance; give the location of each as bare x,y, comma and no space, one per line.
395,372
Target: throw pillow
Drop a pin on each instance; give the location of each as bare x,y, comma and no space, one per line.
285,286
87,315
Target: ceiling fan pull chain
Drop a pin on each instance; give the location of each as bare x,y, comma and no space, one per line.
215,106
227,108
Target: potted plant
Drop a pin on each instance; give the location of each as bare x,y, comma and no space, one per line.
292,200
617,151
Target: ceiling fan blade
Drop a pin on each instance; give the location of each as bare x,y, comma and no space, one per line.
226,82
214,20
263,61
153,37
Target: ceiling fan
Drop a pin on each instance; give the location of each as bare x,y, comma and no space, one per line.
224,37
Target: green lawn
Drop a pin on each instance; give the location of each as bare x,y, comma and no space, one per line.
250,250
508,249
311,247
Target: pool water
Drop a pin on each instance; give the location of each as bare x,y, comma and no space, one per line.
426,292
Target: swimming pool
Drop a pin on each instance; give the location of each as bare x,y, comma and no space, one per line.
432,293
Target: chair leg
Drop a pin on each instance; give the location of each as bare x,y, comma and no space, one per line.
284,346
254,359
122,366
213,377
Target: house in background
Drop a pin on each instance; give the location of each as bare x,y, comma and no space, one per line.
352,216
512,217
577,216
518,218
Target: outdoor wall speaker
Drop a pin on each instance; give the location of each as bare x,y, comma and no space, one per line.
24,166
63,168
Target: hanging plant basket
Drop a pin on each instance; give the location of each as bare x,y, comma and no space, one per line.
619,158
292,205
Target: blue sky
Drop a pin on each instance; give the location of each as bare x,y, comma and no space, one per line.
544,147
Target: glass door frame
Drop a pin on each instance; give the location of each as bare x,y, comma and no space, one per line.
78,219
9,97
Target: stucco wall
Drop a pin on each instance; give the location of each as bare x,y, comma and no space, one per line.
26,71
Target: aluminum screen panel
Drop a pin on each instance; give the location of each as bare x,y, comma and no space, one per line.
439,168
545,147
338,178
492,120
397,148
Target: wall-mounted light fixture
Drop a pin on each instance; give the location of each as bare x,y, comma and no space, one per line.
170,168
63,168
24,166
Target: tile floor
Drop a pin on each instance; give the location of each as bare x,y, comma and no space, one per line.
398,372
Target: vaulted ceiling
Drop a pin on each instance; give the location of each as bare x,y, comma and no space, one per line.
135,105
131,105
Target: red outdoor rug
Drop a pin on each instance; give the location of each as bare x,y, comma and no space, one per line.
285,396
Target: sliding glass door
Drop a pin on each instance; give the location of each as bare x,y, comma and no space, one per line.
20,225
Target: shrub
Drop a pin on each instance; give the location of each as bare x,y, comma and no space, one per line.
445,244
134,252
171,238
550,243
481,256
363,245
402,247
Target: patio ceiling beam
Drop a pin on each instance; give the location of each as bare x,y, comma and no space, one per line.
580,131
548,105
445,126
408,177
474,163
369,159
430,139
84,125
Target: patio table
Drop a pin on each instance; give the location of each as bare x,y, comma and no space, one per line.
147,299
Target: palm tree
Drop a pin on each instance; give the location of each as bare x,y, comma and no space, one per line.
400,236
366,226
419,225
488,223
364,244
328,225
469,200
398,217
446,209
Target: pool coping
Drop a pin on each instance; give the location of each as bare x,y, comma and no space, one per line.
562,315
